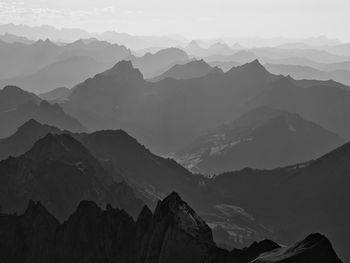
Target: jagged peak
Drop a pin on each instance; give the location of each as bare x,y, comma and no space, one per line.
181,215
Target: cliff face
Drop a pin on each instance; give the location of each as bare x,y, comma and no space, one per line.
174,233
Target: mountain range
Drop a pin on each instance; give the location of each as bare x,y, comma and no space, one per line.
169,114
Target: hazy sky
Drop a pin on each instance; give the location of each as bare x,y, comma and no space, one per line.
191,18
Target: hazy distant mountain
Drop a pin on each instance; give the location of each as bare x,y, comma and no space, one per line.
242,56
225,66
151,65
63,73
262,138
193,69
324,104
20,106
43,65
304,72
43,32
10,38
337,66
318,56
57,94
218,48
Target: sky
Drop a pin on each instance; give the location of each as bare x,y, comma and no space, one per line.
189,18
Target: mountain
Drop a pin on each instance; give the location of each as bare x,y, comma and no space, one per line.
56,94
11,96
151,65
174,233
322,103
63,73
103,101
35,65
225,66
60,172
304,72
24,138
10,38
241,56
73,34
20,106
318,56
263,138
193,69
315,247
337,66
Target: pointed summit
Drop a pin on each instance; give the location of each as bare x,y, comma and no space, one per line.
124,70
253,68
180,215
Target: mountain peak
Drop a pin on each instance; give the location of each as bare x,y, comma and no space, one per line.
253,68
58,147
177,212
123,69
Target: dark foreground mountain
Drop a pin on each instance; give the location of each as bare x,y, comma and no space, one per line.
19,106
174,233
193,69
315,247
262,138
60,172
